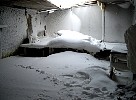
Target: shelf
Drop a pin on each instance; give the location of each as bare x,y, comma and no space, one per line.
3,26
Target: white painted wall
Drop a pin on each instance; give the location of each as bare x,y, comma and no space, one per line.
17,27
117,20
86,20
91,21
13,34
58,20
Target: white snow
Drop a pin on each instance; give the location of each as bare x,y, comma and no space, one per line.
61,76
76,40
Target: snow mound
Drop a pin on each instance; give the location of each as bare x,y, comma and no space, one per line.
76,40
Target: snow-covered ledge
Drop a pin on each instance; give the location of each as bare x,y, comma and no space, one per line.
3,26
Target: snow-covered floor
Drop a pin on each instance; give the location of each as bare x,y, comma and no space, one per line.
62,76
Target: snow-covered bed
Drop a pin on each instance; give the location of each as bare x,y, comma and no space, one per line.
67,39
73,40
